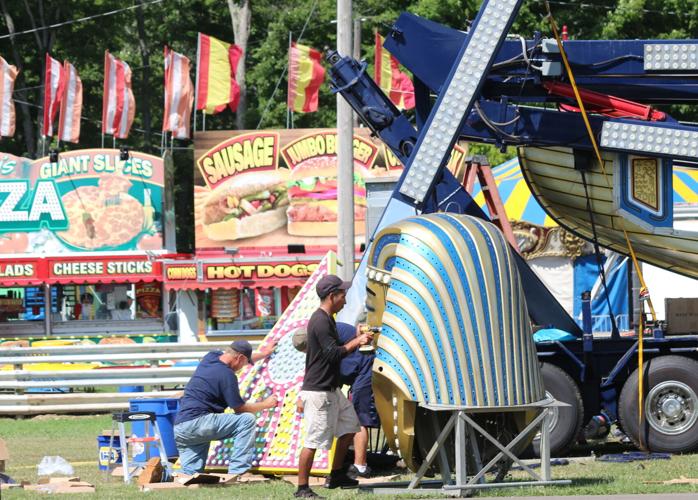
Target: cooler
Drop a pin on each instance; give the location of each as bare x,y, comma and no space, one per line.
165,410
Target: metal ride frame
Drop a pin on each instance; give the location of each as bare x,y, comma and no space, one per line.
465,427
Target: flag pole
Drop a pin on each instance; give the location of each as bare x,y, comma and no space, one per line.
196,85
288,108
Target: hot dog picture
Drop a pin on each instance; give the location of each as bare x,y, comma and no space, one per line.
246,205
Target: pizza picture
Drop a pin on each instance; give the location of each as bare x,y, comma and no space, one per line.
102,216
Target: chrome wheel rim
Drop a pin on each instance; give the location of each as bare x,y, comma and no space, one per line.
670,407
554,415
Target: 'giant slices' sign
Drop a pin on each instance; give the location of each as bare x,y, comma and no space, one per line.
86,201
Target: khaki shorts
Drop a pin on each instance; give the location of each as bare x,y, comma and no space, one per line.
327,415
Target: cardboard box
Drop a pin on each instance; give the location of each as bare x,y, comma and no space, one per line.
681,315
4,455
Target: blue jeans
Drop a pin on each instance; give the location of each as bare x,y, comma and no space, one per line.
194,437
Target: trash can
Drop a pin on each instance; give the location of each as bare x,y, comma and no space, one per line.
165,410
103,459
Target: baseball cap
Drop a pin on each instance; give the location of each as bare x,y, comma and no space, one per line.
244,348
300,339
329,284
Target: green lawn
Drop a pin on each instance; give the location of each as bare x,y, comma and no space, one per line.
74,438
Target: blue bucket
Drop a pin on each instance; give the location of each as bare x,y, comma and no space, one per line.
131,388
103,460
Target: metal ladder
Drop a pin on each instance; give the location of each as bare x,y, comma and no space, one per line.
120,420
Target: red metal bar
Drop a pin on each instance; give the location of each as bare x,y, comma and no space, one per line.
605,104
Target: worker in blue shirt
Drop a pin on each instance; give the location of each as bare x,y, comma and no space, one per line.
212,388
355,371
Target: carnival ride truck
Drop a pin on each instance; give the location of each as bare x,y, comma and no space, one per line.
597,156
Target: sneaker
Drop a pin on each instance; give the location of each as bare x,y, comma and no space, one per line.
152,473
306,493
340,480
353,472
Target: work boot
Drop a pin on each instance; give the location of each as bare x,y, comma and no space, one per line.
339,479
306,492
152,473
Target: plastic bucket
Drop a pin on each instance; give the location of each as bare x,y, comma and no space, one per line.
103,460
165,410
131,388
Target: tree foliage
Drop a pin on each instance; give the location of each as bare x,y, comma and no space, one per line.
138,35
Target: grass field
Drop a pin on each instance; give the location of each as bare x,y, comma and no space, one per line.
74,438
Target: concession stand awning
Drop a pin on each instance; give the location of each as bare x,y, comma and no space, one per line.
97,269
240,294
22,272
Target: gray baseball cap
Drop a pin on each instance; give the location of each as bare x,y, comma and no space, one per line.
243,347
329,284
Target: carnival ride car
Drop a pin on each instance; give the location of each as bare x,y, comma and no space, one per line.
598,157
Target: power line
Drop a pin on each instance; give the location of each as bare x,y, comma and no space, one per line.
85,119
80,20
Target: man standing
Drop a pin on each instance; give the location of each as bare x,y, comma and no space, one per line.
328,414
212,388
357,371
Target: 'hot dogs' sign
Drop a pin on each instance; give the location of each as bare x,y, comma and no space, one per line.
216,272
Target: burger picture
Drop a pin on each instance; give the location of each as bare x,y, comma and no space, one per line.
246,205
312,194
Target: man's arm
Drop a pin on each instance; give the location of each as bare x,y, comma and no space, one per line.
264,352
361,338
266,403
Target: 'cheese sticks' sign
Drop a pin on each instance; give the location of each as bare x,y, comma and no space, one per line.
87,200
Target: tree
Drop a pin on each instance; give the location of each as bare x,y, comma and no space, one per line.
241,17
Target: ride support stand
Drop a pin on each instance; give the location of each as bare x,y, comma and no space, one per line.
466,429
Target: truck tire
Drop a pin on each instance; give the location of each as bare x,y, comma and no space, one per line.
670,413
567,420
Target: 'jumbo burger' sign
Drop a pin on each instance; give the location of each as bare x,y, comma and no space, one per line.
312,189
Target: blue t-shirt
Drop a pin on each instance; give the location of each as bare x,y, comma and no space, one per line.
212,388
355,369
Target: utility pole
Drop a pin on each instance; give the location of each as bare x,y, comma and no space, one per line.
345,153
356,54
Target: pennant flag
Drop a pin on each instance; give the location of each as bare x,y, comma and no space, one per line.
396,84
53,85
305,75
118,104
217,63
71,105
179,95
8,73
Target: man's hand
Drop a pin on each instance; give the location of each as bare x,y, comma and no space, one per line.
299,405
271,402
266,351
365,337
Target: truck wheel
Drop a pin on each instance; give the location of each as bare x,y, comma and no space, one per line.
567,420
670,422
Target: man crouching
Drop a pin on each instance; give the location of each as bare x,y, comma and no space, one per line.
212,388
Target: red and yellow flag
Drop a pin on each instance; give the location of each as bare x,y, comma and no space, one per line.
217,63
305,75
396,84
